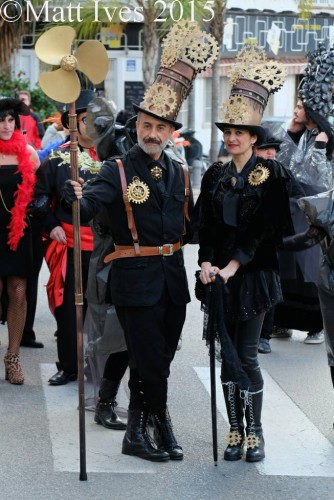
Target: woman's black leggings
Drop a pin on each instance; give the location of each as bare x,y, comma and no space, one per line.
245,336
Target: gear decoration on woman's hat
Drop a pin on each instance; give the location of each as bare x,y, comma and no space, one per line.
253,79
235,109
247,57
186,41
161,98
317,86
252,64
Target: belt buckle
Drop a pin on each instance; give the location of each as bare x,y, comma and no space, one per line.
171,249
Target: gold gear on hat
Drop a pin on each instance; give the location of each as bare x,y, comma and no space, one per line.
271,76
252,441
259,175
235,110
203,54
138,192
248,57
186,41
161,99
233,438
169,56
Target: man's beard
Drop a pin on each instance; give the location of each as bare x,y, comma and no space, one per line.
152,148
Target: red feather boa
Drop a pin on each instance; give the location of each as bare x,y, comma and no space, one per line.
17,145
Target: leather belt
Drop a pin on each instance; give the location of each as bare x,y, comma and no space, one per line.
122,251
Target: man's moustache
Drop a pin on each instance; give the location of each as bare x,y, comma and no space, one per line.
154,141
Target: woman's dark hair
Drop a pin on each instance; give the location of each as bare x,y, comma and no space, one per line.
13,114
323,126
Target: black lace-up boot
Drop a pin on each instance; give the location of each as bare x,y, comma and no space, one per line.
164,436
105,413
254,440
137,440
235,411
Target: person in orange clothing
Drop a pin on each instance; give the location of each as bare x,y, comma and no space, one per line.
31,124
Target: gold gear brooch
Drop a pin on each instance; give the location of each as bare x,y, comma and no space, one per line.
138,192
259,175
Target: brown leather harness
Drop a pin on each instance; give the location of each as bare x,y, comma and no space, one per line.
123,251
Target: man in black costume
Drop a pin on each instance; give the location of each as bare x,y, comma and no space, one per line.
148,197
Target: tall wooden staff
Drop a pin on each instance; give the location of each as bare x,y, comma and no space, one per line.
63,85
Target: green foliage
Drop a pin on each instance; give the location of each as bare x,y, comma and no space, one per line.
304,8
39,101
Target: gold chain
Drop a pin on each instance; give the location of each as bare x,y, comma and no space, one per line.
3,202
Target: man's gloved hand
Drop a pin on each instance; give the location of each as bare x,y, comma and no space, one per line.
69,194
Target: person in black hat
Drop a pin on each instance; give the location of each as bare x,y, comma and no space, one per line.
149,200
18,162
244,207
59,252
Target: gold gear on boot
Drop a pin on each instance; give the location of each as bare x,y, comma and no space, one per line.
252,441
233,438
259,175
138,191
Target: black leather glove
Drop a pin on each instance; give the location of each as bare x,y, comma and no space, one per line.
68,195
303,241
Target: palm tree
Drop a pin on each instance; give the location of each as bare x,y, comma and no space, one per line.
12,29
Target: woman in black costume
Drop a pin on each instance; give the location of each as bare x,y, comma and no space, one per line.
18,162
244,207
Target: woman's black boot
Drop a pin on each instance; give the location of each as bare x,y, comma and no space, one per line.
137,440
164,436
105,413
254,439
235,412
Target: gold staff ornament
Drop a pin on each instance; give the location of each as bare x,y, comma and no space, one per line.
259,175
54,47
138,191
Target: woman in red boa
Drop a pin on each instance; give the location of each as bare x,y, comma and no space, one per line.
18,163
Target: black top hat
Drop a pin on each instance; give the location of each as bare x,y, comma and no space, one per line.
173,123
187,50
269,142
253,79
80,105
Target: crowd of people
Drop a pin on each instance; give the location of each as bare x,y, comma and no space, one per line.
136,214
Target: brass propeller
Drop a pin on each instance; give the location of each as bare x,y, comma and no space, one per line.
54,47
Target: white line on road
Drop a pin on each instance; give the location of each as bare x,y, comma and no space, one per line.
294,445
103,446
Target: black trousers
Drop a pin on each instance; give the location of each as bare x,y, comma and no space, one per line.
245,336
66,315
152,334
268,324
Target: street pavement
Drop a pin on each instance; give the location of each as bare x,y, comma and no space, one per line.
39,437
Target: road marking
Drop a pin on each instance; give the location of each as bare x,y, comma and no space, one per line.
294,445
103,446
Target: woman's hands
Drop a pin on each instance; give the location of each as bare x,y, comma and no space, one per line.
208,272
229,271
